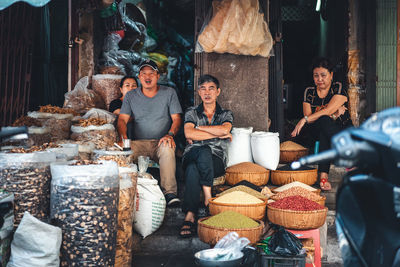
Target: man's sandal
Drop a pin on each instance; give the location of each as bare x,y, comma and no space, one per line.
188,229
324,184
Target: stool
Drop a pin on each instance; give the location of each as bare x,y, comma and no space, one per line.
314,234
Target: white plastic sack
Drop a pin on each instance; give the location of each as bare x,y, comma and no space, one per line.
265,147
35,244
239,150
149,207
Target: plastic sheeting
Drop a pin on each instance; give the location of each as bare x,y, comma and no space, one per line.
36,3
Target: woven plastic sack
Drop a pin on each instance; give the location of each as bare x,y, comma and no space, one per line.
236,27
149,207
35,244
84,203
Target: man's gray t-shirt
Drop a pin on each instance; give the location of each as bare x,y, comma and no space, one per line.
151,116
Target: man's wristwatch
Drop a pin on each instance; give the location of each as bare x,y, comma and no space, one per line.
306,118
171,134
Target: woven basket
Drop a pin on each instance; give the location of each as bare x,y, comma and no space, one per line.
288,156
298,220
254,211
211,234
308,177
317,191
246,171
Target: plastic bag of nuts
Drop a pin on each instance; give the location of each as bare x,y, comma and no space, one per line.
102,136
84,203
59,124
107,85
27,175
123,158
127,191
65,152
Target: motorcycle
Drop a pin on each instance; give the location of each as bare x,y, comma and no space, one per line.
368,199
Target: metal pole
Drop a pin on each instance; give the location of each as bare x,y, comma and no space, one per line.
70,44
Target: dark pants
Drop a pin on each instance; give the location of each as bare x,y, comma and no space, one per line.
201,167
323,130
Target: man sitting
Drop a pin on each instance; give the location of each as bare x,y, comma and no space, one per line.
155,112
207,130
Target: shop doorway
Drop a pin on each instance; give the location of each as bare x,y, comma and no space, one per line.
310,29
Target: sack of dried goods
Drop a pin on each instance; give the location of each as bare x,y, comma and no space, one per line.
149,207
65,152
107,85
262,142
56,118
38,134
6,230
127,191
239,149
122,158
93,130
84,203
27,175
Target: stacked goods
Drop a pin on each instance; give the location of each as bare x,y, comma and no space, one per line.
291,151
285,174
57,119
299,191
212,229
27,175
94,130
84,204
237,197
297,212
241,202
295,184
107,86
248,171
245,189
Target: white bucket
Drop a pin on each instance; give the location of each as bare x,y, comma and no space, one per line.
239,149
265,149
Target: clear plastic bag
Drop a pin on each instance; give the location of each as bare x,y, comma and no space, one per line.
122,158
59,124
231,246
236,27
100,114
65,152
81,99
127,191
102,136
84,203
27,175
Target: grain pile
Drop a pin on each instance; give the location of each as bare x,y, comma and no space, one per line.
245,189
291,146
293,184
230,220
84,204
297,191
237,197
296,203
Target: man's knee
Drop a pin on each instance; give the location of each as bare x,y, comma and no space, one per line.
165,152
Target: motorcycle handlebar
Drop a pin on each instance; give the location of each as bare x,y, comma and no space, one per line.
325,156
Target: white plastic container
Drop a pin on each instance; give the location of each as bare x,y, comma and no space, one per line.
239,150
265,149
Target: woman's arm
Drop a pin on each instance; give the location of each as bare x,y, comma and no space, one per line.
336,102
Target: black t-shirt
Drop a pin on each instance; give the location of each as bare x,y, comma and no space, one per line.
317,103
115,104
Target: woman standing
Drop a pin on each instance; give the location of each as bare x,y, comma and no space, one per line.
325,110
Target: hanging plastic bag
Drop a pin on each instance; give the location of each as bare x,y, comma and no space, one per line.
35,244
284,243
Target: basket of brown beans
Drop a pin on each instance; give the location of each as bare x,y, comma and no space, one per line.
291,151
297,212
